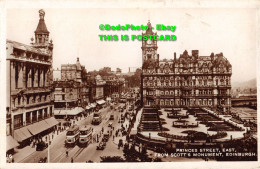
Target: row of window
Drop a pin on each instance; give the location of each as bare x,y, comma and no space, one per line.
190,92
179,77
201,102
31,117
17,101
37,56
180,70
191,83
33,77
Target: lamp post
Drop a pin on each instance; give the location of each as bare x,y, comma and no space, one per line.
49,149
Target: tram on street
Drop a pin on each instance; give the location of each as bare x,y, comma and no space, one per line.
72,136
85,136
97,119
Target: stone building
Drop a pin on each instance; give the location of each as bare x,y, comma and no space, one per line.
76,72
99,88
29,102
67,100
114,87
190,81
66,92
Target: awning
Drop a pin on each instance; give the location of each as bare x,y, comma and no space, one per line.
101,102
93,105
80,109
11,143
51,122
70,112
26,132
38,127
20,135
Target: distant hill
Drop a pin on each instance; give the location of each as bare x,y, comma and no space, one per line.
247,84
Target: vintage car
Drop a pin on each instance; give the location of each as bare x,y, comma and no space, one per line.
111,117
43,160
110,124
105,138
101,146
41,146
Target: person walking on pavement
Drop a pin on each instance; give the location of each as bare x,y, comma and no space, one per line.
67,153
71,160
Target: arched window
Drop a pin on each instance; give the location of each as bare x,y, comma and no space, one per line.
162,102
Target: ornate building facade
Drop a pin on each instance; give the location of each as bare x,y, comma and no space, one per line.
190,81
114,87
76,72
29,103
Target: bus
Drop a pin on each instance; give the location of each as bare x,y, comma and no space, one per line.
96,118
85,136
72,136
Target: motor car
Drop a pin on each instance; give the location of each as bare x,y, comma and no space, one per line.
43,160
101,146
170,115
41,146
121,120
111,117
105,138
110,124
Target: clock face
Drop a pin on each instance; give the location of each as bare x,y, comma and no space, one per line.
149,41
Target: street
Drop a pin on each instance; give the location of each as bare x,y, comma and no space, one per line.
58,149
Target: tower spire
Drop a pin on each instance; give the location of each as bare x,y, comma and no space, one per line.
41,32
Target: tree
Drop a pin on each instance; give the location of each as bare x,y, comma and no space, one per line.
131,155
134,80
144,156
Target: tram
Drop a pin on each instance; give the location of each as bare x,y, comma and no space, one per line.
72,136
85,136
97,119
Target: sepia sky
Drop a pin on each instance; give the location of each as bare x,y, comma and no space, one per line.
75,34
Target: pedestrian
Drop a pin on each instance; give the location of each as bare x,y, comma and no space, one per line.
71,160
52,136
67,153
113,137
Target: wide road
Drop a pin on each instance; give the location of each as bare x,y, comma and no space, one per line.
58,149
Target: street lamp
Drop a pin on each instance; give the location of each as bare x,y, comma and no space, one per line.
49,149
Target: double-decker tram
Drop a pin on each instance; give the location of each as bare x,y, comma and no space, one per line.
72,136
85,136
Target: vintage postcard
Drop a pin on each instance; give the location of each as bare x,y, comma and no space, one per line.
130,85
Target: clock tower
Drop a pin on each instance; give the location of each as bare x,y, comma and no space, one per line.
149,47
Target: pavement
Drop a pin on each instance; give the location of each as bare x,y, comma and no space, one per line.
57,150
21,154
